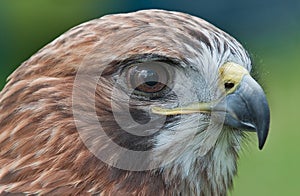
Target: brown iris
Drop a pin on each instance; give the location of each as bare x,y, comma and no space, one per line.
149,78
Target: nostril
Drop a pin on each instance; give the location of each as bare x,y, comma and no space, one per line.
228,85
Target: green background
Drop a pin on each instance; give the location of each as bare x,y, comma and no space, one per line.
270,30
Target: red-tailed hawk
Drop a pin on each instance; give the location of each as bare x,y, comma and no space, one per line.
146,103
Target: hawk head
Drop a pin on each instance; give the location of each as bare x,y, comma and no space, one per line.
146,103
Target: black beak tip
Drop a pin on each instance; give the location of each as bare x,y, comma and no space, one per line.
263,132
261,145
262,140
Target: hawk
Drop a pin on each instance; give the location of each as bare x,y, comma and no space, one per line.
147,103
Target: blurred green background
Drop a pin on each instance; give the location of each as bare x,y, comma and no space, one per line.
270,30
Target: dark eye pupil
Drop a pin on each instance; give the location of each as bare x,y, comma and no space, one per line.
148,78
151,83
148,81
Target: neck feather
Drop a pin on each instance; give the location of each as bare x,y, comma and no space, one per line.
211,174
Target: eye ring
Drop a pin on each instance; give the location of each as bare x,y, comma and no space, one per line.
150,79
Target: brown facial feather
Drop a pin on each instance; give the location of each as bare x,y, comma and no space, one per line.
41,151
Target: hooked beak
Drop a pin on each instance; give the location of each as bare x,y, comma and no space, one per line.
246,107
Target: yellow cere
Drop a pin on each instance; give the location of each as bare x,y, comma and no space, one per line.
232,73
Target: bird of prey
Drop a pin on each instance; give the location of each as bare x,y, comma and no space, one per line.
147,103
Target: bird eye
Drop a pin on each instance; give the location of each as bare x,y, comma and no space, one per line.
150,78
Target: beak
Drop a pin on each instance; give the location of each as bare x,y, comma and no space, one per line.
247,108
